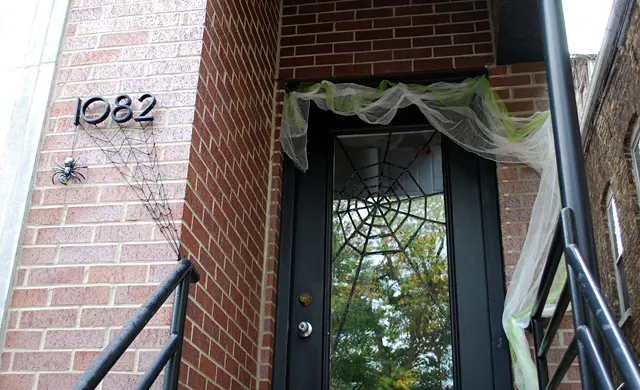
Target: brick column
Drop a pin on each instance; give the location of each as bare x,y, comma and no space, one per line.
91,254
225,215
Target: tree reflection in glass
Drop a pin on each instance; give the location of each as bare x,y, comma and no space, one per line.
390,280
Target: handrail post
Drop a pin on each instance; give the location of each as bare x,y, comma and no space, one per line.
578,309
566,129
172,371
572,175
541,361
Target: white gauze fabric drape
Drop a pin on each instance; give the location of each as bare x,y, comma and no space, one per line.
472,115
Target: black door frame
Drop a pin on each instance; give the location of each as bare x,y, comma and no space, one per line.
409,119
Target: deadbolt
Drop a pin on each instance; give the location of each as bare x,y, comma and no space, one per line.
304,329
305,299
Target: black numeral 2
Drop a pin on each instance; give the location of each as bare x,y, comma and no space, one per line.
143,117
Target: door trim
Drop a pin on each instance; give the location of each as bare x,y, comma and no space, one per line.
283,300
485,190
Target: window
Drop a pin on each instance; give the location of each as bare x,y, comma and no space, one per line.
635,151
617,248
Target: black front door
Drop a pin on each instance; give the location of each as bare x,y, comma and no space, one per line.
391,273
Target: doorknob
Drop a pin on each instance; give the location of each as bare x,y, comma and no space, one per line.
304,329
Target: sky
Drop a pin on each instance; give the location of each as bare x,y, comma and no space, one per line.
586,21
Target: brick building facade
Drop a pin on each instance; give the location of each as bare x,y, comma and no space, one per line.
610,143
90,255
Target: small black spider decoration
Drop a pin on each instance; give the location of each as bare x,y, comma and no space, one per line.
68,172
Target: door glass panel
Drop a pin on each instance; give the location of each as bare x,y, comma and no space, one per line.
390,321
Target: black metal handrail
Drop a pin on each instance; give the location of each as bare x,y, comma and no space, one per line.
592,317
583,292
179,279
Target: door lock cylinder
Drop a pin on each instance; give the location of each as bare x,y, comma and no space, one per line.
304,329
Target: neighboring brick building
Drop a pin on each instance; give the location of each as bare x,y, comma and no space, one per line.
611,154
89,254
582,68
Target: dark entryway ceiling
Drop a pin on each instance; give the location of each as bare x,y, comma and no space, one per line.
518,32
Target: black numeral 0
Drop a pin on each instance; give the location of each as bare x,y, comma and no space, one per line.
119,107
143,117
85,107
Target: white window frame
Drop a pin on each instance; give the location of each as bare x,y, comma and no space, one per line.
617,250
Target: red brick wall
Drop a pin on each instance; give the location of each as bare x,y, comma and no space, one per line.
227,196
91,254
322,39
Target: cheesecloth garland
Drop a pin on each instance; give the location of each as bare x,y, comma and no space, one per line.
471,114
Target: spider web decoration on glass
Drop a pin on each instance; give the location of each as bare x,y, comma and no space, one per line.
132,150
382,202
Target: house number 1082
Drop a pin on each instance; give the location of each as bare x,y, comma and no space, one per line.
121,112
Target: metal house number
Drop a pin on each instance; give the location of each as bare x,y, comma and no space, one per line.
121,112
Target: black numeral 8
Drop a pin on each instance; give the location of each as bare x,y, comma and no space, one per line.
119,107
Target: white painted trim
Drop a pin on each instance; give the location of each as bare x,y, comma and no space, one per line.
31,33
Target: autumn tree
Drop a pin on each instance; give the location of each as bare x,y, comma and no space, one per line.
390,296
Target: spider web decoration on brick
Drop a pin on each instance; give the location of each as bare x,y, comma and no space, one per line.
133,152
